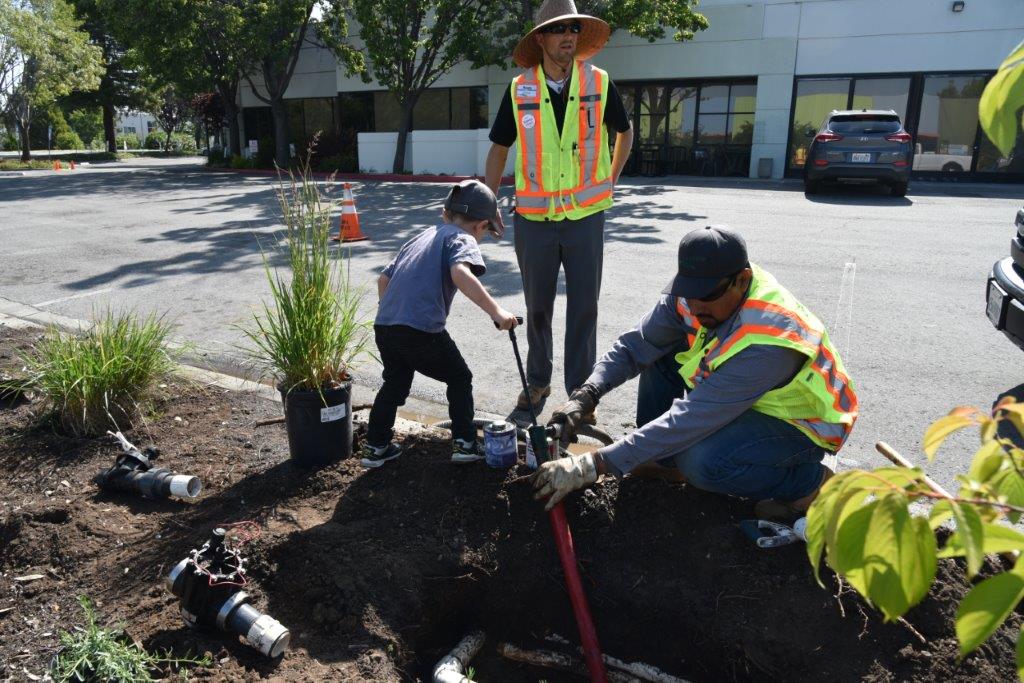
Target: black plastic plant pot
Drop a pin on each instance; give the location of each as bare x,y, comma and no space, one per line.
319,425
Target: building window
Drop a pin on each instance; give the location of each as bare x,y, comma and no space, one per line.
815,98
704,128
948,123
436,109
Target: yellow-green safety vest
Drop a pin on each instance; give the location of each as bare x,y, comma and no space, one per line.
819,400
563,174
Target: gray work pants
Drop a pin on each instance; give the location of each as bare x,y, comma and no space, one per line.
542,247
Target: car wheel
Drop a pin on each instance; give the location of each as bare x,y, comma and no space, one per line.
952,167
899,189
811,186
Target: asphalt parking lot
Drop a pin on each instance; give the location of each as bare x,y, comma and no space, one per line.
898,281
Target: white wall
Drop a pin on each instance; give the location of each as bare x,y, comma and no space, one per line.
438,152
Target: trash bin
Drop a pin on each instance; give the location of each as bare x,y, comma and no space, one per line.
764,167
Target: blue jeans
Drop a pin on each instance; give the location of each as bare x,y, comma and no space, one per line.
754,456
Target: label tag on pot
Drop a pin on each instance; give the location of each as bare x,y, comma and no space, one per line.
332,413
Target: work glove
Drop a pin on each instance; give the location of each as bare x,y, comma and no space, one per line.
569,416
556,479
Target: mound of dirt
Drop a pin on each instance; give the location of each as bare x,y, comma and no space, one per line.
379,573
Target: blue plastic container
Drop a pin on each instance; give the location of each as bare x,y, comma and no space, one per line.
500,444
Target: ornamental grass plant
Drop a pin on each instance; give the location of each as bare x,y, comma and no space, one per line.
97,381
309,332
92,653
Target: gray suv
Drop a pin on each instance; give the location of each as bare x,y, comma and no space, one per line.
864,144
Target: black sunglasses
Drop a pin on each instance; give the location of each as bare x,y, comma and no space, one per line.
719,291
559,29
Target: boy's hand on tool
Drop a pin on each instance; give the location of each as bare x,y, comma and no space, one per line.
570,414
556,479
504,320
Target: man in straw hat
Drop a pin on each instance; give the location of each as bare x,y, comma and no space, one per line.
558,109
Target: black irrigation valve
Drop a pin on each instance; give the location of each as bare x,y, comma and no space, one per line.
209,585
133,472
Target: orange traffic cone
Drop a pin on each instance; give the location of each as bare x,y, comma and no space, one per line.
348,222
72,164
56,165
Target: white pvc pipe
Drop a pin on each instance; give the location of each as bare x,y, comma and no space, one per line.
452,667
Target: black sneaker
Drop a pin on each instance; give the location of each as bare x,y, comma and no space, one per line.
466,451
375,457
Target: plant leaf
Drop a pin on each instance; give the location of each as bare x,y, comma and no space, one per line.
1010,485
969,529
1003,96
987,461
940,430
846,554
985,607
895,573
939,513
817,518
996,538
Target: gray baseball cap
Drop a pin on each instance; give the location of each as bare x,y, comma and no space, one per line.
473,198
707,256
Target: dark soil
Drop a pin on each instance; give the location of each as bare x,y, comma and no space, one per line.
379,573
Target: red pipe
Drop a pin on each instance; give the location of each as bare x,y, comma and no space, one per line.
588,634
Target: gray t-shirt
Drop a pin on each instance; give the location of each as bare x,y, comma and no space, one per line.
730,390
421,290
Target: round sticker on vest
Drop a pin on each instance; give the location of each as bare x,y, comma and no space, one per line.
529,121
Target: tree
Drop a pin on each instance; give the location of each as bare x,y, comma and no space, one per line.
47,56
87,122
171,111
278,29
863,524
121,85
410,44
198,45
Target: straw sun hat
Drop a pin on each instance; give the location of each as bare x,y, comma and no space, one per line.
591,39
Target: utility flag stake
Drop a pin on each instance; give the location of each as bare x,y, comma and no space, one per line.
348,222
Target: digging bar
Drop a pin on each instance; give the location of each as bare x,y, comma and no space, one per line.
563,542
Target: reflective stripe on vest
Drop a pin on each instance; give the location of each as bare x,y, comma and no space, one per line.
819,400
566,173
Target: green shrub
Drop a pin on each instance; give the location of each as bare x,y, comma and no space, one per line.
30,165
130,139
93,653
215,157
67,139
184,143
9,141
155,140
238,161
96,381
310,332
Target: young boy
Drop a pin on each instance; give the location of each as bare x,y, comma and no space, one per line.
416,291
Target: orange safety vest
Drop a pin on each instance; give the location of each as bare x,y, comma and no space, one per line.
561,174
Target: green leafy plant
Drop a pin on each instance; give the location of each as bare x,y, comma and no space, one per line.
1000,107
863,524
310,331
99,654
96,381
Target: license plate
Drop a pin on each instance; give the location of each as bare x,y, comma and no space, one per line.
861,157
994,309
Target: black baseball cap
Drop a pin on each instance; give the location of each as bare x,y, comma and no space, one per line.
707,256
474,199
